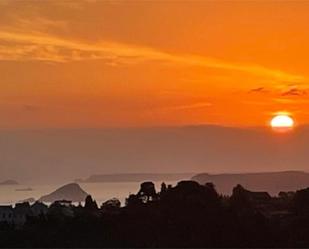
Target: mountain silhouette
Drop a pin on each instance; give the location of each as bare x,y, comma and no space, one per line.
272,182
71,192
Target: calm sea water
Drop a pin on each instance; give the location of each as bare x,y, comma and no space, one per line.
99,191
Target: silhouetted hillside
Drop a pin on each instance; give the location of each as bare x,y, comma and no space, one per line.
72,192
272,182
188,215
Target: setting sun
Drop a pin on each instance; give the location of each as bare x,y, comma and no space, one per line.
282,121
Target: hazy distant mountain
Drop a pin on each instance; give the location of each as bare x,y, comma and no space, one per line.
41,155
137,177
272,182
9,182
71,192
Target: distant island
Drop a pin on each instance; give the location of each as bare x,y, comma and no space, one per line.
136,177
272,182
72,192
9,182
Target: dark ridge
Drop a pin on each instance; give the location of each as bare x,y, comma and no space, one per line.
272,182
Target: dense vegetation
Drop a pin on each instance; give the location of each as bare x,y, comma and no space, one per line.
187,215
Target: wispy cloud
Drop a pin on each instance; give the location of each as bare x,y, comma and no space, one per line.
284,94
295,101
44,47
294,92
258,90
190,106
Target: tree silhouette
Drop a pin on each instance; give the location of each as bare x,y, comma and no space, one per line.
90,204
111,205
186,215
147,192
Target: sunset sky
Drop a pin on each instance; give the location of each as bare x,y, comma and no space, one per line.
86,64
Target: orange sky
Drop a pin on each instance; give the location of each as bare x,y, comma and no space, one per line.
138,63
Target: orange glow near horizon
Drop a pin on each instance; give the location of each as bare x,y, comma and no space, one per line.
121,63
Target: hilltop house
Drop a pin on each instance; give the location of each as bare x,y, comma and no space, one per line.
254,197
64,203
259,196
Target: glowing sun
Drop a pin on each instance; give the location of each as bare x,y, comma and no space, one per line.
282,122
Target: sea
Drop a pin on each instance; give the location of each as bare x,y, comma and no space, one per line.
101,192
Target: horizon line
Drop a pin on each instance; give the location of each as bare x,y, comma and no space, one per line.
142,127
